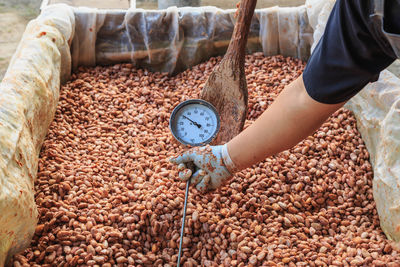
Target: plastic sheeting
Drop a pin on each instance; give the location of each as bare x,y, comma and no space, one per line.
175,39
377,110
28,97
318,12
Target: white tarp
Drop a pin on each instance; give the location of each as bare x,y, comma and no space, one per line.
28,97
377,109
175,39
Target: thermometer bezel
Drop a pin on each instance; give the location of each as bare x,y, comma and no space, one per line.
191,102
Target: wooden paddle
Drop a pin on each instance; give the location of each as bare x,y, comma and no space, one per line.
226,87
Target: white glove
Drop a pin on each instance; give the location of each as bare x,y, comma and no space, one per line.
213,166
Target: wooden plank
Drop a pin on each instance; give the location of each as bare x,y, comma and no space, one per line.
103,4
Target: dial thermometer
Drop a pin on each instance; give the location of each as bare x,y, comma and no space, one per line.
194,122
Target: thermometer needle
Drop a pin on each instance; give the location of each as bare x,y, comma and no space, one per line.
195,123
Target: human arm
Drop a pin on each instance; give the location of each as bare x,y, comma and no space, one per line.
350,54
292,117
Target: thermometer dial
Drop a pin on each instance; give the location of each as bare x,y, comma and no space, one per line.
194,122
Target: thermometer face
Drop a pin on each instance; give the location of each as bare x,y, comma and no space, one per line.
194,122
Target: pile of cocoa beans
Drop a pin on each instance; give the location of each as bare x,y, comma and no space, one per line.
107,194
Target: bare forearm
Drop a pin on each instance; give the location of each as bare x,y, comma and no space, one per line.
292,117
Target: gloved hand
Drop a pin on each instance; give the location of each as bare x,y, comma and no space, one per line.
213,166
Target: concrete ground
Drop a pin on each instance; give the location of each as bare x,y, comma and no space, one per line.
14,15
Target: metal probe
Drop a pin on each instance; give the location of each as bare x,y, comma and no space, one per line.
183,223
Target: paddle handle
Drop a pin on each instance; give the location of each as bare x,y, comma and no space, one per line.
237,46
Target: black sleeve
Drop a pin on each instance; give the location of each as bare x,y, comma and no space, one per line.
351,53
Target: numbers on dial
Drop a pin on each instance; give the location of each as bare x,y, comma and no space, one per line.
195,123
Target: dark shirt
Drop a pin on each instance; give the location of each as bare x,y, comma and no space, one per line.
352,51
